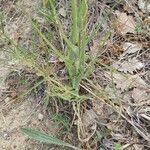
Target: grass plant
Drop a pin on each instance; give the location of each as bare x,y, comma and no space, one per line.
72,53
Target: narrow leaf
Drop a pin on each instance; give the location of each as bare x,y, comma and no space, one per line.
75,31
42,137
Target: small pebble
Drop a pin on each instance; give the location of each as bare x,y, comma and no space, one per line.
40,116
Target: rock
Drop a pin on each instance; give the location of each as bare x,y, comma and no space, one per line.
40,116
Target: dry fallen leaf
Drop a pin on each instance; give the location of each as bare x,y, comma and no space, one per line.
124,23
128,66
139,95
126,81
130,48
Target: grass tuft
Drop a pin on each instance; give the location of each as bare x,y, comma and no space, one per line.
70,53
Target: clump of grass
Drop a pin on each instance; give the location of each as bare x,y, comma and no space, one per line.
71,52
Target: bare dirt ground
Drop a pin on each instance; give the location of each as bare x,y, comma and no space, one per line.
13,117
11,137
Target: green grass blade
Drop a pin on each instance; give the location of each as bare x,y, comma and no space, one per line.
75,30
82,14
57,52
42,137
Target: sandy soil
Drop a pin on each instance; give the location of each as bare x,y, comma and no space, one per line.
18,114
10,135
